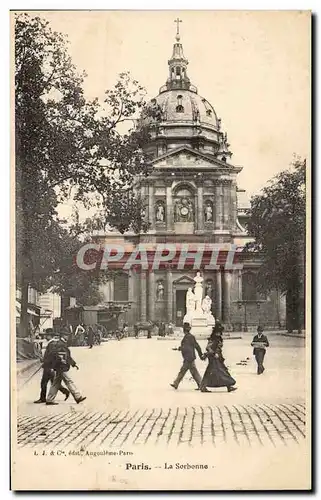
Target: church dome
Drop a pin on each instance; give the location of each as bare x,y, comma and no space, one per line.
185,106
178,116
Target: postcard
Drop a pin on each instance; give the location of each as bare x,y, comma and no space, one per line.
160,308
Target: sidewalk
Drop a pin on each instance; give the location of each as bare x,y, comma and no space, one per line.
237,335
294,334
26,369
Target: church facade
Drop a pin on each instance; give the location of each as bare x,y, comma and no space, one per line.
192,198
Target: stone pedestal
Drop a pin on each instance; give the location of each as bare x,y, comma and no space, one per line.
200,327
210,320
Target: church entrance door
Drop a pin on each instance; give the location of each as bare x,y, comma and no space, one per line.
180,306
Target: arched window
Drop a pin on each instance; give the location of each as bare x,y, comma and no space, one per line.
121,287
249,287
183,192
180,107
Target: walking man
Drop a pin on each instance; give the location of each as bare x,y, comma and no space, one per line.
260,343
187,348
61,361
90,337
48,373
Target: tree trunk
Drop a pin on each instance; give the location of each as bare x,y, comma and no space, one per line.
24,318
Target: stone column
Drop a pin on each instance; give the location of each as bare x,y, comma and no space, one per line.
169,291
151,207
151,295
218,294
132,317
112,290
218,206
227,280
233,206
143,296
239,282
169,208
200,219
226,205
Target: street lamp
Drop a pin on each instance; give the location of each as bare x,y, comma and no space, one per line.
241,303
258,305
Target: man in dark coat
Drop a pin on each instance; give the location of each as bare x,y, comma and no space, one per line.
187,348
161,330
259,343
48,373
61,361
90,337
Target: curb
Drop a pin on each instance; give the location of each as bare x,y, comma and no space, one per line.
198,338
294,335
28,366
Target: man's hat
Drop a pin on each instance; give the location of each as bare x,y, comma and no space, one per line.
259,328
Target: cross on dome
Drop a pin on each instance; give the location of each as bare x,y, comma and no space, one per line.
177,21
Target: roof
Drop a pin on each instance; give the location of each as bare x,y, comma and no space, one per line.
194,107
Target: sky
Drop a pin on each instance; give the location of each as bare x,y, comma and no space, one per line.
252,66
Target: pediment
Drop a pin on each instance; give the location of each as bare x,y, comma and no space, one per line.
187,158
185,280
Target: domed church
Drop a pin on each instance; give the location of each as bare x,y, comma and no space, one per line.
192,200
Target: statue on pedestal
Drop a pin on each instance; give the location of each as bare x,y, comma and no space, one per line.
207,310
190,302
198,292
160,212
208,213
198,310
160,291
207,305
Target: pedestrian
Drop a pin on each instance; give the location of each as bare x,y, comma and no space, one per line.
136,331
259,343
79,329
125,330
61,361
216,373
99,334
150,327
187,348
161,330
90,337
48,373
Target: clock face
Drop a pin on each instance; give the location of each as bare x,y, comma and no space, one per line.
184,211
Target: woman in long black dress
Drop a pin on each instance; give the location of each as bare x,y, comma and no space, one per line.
216,374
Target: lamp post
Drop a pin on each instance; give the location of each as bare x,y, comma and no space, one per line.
258,305
241,303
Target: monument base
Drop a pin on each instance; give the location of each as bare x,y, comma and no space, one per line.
210,320
200,327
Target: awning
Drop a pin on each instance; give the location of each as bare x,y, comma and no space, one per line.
30,311
33,313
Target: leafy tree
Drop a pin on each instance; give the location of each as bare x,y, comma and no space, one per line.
278,223
67,146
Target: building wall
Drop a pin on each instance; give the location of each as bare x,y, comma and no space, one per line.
219,191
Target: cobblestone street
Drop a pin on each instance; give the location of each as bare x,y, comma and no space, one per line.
244,425
129,400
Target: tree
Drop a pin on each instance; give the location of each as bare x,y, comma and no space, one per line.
66,145
278,223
